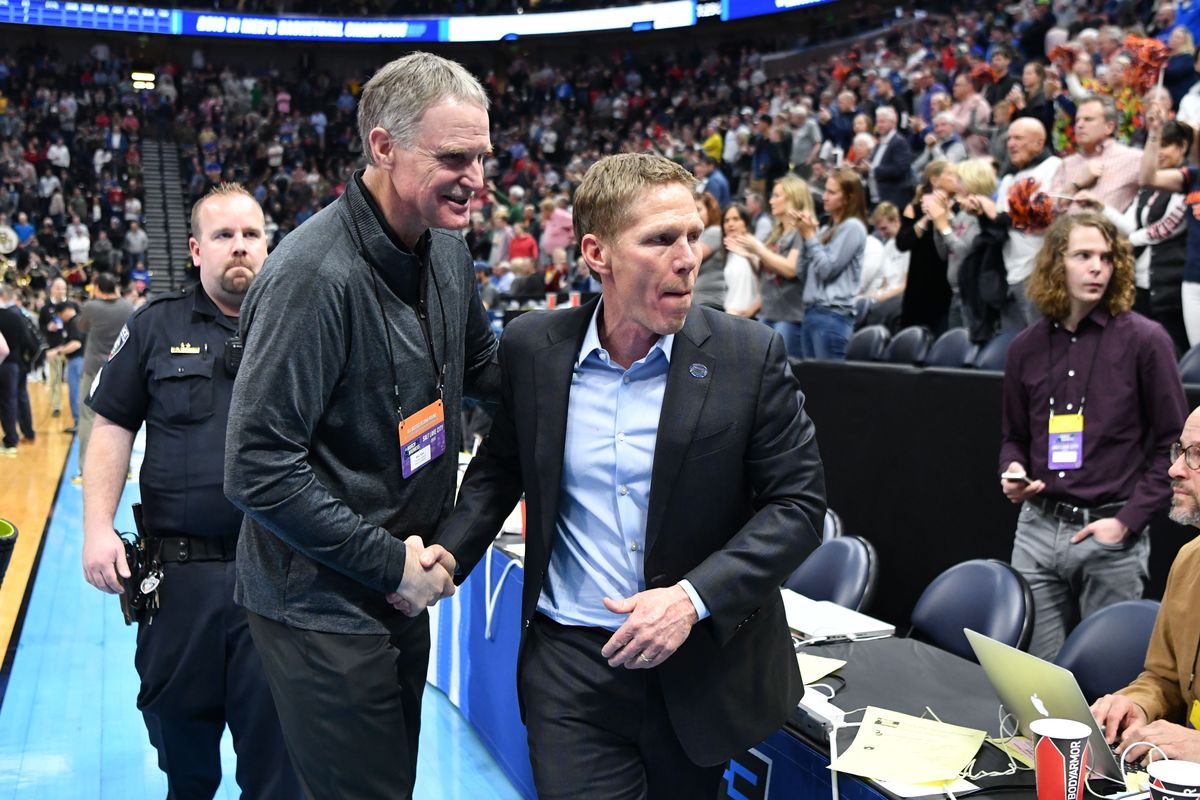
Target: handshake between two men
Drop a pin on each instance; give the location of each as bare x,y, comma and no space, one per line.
428,577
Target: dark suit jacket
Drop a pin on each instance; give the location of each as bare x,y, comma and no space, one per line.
893,175
736,503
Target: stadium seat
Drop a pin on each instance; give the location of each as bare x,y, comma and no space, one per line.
987,596
993,354
1106,650
953,348
842,570
867,344
909,346
832,528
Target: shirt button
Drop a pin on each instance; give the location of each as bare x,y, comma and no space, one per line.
625,379
622,490
1070,373
620,437
1068,406
1062,474
633,547
1073,340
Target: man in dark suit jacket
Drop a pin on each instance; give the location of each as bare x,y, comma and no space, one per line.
890,164
672,483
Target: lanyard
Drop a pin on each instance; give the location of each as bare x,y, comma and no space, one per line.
1050,365
439,373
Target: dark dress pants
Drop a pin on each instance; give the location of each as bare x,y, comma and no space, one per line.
599,733
350,705
199,672
24,407
10,378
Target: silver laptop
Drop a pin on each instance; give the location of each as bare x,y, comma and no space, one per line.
827,621
1031,689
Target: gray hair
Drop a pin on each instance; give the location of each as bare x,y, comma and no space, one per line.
1108,107
400,93
886,111
944,116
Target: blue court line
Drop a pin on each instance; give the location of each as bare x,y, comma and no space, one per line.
69,724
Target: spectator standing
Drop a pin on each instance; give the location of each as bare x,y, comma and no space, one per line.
955,232
889,170
557,226
523,245
781,269
943,144
927,292
101,320
764,223
50,320
14,419
833,257
743,297
1177,180
709,288
806,140
1104,166
885,274
712,180
134,247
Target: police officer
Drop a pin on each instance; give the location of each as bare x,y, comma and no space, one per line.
172,367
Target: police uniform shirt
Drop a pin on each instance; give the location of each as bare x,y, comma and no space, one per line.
168,369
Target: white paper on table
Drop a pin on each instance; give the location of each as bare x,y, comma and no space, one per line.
813,668
959,786
891,746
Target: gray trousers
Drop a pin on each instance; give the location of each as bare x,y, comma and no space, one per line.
1019,311
1070,581
86,416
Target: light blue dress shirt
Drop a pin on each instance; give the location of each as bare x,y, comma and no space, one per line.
612,427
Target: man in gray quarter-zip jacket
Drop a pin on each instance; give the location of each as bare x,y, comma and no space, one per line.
362,332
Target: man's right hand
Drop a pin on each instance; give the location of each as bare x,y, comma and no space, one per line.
1115,713
104,559
1019,491
422,586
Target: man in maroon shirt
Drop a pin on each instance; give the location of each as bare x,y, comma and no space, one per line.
1085,389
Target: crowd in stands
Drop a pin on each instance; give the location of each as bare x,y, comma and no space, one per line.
940,124
72,202
905,180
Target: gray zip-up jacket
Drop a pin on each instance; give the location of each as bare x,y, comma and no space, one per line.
312,450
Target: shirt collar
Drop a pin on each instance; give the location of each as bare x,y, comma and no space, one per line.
591,340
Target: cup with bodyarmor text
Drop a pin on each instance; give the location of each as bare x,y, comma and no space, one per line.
1061,758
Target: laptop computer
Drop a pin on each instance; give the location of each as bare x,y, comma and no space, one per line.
826,621
1032,689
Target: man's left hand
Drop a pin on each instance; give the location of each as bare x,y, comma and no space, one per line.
1175,740
1106,531
659,622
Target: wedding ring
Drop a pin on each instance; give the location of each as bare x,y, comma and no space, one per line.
644,658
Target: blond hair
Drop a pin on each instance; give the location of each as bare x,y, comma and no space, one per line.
611,187
799,198
884,211
400,93
977,176
220,190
